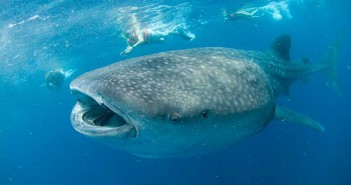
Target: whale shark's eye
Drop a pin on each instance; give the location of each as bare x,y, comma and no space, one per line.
175,117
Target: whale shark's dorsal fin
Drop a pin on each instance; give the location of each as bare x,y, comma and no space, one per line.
281,46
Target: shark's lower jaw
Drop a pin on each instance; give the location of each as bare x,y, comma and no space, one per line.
91,118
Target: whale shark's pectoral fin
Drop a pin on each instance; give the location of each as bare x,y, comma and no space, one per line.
285,114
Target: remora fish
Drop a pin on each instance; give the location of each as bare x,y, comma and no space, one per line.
189,102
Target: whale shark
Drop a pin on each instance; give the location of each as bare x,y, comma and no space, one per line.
190,102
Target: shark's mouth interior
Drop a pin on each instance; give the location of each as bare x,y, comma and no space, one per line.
92,118
100,115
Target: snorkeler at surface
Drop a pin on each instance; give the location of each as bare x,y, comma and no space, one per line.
245,13
138,36
273,9
54,79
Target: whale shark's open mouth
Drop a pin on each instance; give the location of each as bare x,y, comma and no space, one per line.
94,119
100,115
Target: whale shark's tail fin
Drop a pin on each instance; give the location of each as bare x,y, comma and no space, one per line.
285,114
330,62
301,69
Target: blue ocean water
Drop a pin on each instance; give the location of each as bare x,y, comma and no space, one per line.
39,146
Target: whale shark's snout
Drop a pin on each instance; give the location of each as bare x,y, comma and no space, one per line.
97,117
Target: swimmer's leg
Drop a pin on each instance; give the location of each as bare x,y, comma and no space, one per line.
68,73
253,12
185,34
248,11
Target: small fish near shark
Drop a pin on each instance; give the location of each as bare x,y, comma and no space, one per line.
190,102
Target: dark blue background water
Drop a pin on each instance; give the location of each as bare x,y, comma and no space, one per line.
39,146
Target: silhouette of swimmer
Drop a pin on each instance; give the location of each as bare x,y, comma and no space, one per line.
276,10
244,13
149,36
55,78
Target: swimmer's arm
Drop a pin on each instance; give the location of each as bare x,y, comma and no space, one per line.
135,45
242,12
130,48
127,50
140,41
